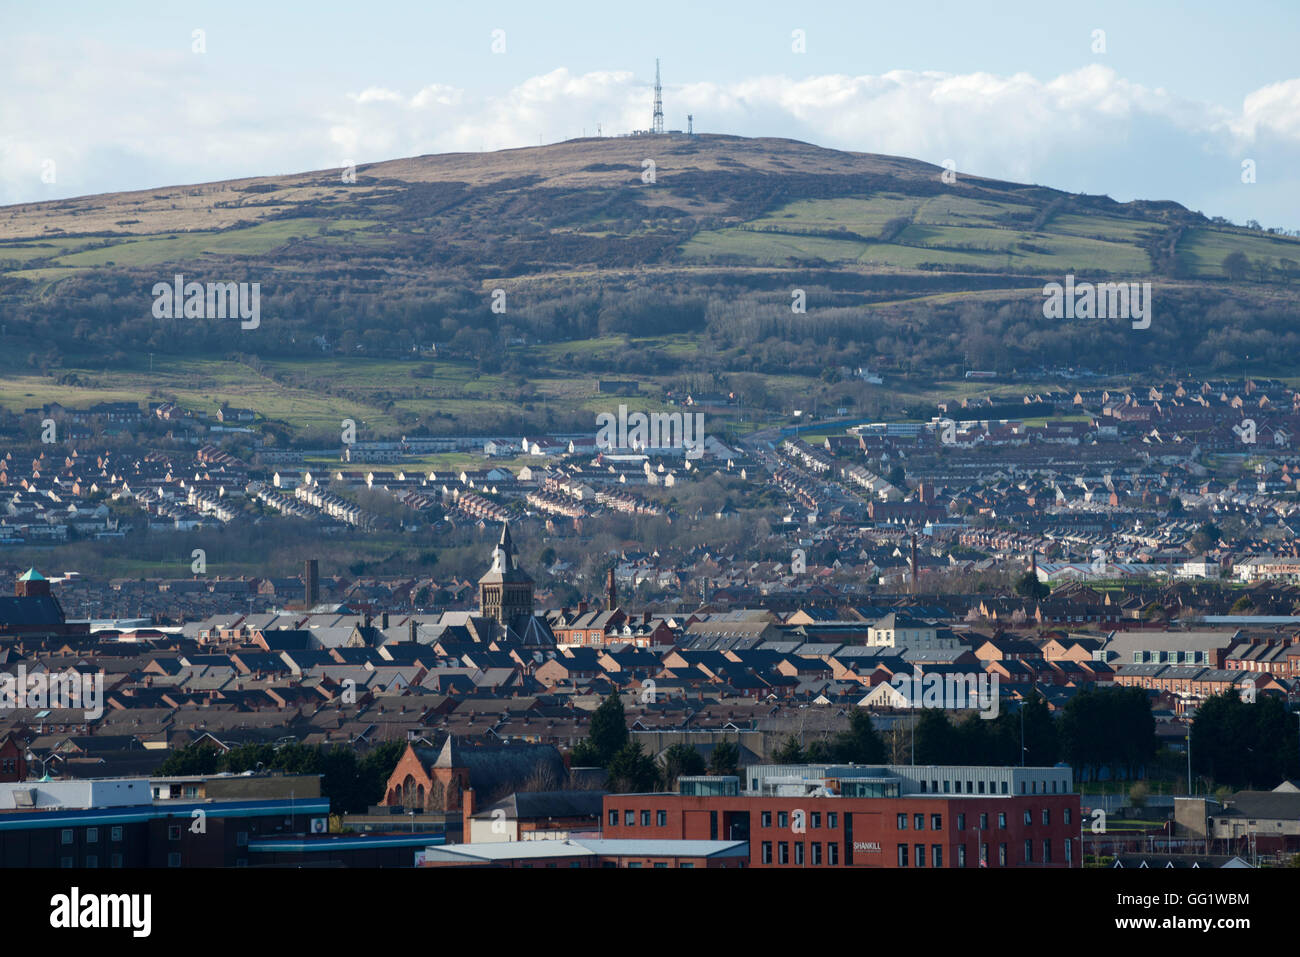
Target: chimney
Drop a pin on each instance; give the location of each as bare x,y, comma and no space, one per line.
384,621
611,593
311,583
915,568
582,608
467,799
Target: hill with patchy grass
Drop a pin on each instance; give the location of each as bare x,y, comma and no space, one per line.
672,260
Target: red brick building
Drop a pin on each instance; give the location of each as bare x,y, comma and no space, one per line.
439,779
13,764
1017,830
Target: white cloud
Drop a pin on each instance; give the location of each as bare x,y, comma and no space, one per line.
174,119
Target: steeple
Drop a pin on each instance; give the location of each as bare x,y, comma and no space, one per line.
505,592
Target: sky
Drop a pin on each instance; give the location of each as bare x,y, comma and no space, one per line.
1135,100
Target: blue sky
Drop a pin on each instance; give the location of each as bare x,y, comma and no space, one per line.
111,96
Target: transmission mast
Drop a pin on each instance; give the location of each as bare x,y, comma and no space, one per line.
657,126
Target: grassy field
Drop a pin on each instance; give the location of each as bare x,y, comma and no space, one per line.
1205,249
959,231
314,396
185,247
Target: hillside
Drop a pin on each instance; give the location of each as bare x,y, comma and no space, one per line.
683,283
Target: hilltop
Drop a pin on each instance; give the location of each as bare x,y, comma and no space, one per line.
683,282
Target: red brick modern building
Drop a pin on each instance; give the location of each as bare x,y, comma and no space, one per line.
918,830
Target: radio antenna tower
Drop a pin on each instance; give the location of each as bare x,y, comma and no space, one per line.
657,126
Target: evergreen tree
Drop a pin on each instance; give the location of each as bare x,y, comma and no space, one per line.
608,735
678,760
789,752
724,759
632,771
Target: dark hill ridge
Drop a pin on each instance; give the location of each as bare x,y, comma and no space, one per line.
902,271
713,164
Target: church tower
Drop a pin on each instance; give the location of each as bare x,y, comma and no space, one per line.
505,592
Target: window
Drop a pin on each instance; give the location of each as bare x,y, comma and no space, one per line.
66,836
902,855
920,855
1047,817
816,853
782,819
936,855
961,822
947,786
92,860
816,819
633,863
1002,855
981,787
961,855
767,819
629,818
833,819
92,835
116,834
645,818
1066,813
241,839
173,832
984,855
1029,851
1029,817
767,852
934,786
173,859
65,862
613,817
1067,850
782,852
918,822
1047,852
1004,787
902,822
1002,820
661,863
984,822
798,852
936,822
832,854
682,864
661,818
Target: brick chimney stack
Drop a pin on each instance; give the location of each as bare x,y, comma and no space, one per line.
467,797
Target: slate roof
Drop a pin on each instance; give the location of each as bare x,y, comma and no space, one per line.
524,805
